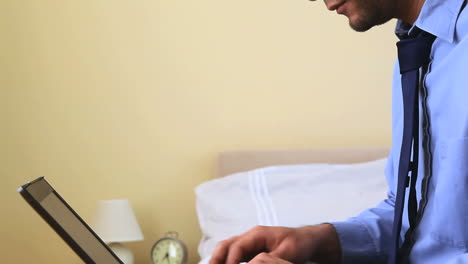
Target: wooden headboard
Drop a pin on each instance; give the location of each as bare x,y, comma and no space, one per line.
242,160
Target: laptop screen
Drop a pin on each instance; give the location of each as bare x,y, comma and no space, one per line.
66,222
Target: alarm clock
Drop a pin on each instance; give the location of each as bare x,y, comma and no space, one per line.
169,250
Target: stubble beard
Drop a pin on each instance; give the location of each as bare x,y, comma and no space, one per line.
371,13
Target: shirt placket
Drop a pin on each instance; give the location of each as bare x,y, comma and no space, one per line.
427,157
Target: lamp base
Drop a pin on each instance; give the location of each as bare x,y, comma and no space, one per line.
123,252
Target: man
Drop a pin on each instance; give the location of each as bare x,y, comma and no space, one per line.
440,232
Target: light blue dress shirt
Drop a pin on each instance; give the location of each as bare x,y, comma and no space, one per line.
441,236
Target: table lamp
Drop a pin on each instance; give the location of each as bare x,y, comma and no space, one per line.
115,222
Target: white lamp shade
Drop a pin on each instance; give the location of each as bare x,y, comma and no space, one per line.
115,222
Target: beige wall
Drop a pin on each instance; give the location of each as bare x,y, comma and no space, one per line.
112,99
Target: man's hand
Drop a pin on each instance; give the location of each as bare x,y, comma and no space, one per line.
267,258
297,245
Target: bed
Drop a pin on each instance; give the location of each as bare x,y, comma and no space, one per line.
287,187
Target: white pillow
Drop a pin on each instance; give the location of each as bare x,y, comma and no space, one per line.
293,195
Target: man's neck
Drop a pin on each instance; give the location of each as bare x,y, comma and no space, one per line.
409,10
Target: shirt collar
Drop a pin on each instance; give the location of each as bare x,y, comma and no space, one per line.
437,17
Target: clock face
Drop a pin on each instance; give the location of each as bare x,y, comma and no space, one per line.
168,251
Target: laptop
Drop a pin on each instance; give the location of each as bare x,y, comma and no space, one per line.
67,223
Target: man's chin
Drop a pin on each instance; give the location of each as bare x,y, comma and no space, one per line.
362,24
359,26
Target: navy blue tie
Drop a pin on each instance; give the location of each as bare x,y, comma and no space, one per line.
413,53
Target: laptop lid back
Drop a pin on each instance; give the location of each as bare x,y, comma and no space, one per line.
67,223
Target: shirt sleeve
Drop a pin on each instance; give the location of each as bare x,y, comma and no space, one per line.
364,238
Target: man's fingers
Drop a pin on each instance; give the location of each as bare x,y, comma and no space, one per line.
284,251
241,248
237,251
262,258
265,258
221,251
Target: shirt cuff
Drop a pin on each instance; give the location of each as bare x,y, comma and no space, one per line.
357,245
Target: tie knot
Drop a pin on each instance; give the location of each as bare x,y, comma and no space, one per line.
414,52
